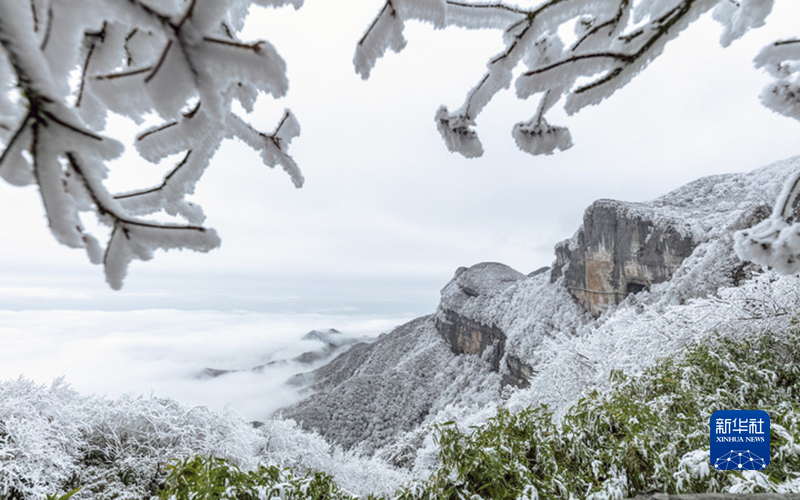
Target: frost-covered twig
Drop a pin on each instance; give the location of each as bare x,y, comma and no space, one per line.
775,241
181,60
615,40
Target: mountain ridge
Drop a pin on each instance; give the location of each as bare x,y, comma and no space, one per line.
530,340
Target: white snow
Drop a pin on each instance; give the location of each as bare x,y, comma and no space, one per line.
76,61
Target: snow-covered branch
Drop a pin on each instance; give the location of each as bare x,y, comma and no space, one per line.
775,241
613,41
179,59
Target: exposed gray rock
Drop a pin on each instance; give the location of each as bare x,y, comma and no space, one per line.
464,295
620,249
470,285
519,373
465,336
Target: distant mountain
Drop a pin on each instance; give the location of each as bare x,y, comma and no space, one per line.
332,342
637,281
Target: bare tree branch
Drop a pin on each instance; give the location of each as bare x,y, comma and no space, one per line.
158,64
255,47
15,136
93,37
123,74
48,28
106,210
159,187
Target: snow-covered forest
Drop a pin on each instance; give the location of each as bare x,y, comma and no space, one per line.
593,378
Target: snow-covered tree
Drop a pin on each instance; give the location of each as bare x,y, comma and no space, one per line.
582,51
65,64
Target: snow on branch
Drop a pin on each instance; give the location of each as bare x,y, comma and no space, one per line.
613,41
178,59
611,45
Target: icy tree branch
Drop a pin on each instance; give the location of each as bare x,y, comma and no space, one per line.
614,41
133,57
611,48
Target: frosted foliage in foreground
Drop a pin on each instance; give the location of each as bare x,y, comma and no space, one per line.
65,64
775,242
614,41
51,437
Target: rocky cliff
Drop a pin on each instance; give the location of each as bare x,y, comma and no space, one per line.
468,333
624,290
619,250
375,391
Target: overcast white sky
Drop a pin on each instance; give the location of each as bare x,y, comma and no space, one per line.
387,214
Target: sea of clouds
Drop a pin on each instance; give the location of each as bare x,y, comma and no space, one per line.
163,352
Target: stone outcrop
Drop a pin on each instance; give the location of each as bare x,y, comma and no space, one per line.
466,336
373,392
621,248
460,318
518,372
492,321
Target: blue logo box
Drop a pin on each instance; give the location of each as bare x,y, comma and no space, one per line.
739,439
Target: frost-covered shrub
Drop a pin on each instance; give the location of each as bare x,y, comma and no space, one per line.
210,477
39,437
53,439
647,433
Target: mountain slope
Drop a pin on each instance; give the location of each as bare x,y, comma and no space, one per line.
392,385
668,266
500,345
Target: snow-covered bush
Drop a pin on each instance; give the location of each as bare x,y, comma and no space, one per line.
54,439
210,477
39,437
648,433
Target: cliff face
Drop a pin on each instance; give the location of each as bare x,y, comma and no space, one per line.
619,250
465,336
460,322
496,327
